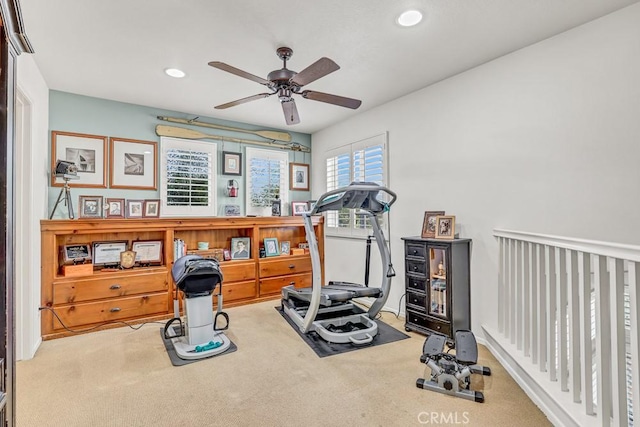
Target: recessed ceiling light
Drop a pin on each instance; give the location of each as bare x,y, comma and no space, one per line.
410,18
174,72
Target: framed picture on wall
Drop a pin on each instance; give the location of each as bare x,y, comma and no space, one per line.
114,208
135,208
87,152
133,164
151,208
299,176
232,163
90,207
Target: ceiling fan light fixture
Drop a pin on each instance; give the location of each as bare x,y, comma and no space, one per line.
174,72
409,18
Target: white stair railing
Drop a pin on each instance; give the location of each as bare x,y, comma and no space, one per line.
568,314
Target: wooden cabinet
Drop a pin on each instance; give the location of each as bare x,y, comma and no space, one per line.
437,285
146,293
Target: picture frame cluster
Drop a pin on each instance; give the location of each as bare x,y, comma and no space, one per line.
437,225
113,208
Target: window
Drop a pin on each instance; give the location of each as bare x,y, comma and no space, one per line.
187,177
362,161
267,178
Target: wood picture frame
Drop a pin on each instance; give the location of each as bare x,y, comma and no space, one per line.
114,208
445,227
87,152
271,246
297,208
429,224
151,208
133,164
135,208
240,248
90,207
231,163
298,176
148,252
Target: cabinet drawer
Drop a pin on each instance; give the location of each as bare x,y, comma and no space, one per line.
99,288
232,272
116,309
288,265
417,301
416,267
430,323
416,283
237,291
273,286
415,250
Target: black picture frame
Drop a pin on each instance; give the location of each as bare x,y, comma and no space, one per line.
231,163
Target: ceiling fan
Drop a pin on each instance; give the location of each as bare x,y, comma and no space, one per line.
285,83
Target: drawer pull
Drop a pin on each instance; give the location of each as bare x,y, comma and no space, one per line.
415,268
114,287
292,266
438,327
415,252
115,309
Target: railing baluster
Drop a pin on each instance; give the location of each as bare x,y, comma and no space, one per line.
519,297
551,315
507,289
562,319
513,301
501,268
535,299
574,325
544,308
526,293
586,356
603,341
634,304
618,344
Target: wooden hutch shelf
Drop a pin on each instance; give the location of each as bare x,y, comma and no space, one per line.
143,294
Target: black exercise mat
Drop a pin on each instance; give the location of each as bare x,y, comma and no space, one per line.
177,361
386,334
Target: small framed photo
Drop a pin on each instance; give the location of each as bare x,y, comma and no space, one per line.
445,226
240,248
226,253
90,207
231,210
75,254
285,248
297,208
276,206
232,163
429,224
108,253
151,208
299,176
115,208
148,251
271,247
133,164
87,152
135,208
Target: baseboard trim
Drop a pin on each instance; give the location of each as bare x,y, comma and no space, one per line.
555,404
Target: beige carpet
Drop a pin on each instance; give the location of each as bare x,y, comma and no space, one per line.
122,377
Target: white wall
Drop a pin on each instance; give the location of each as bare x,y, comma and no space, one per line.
546,139
32,141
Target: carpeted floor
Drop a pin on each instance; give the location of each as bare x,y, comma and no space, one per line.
122,377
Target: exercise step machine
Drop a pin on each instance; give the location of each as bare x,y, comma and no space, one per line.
451,374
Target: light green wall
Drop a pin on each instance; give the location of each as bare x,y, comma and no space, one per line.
82,114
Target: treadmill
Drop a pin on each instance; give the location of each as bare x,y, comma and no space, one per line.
329,310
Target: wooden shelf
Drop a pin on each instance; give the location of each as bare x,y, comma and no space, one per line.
146,293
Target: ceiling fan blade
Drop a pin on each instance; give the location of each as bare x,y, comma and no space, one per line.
331,99
238,72
290,112
313,72
242,101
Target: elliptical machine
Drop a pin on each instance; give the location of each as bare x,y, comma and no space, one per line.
199,336
451,374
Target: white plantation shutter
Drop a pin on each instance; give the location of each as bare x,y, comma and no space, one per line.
187,177
267,177
362,161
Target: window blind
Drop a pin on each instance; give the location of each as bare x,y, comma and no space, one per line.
267,179
188,177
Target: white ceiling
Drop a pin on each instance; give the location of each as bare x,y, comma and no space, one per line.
118,49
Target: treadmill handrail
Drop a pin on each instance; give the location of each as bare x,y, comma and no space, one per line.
353,187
